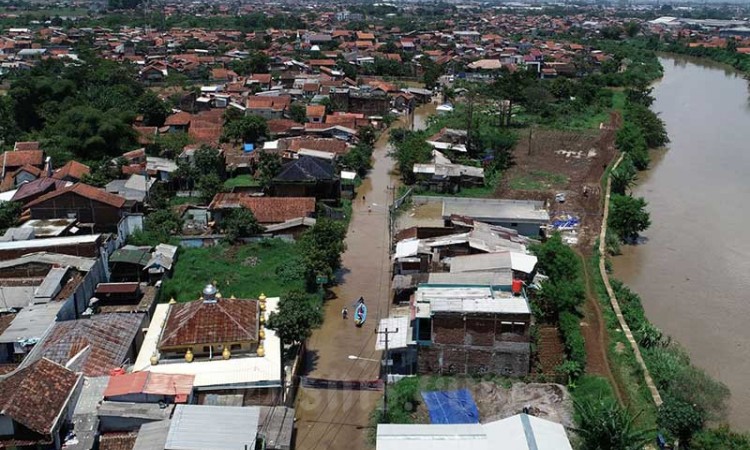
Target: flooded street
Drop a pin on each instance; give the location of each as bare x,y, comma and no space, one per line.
693,274
339,419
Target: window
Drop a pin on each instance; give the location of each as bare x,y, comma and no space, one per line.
519,328
206,349
506,327
235,347
514,224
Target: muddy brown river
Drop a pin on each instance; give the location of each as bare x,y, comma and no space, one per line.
693,273
338,418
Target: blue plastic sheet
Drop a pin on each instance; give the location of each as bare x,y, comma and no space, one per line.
447,407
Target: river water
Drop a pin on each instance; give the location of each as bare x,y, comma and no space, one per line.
693,273
339,419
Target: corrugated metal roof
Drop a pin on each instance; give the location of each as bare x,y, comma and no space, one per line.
201,427
31,322
398,333
512,305
504,278
150,411
79,262
519,432
51,284
152,435
51,242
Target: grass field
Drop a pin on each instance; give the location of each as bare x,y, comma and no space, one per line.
244,180
538,180
269,266
176,201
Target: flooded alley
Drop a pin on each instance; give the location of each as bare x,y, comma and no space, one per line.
692,273
338,419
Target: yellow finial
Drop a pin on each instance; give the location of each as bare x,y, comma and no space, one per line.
233,297
262,297
172,301
189,355
261,351
226,354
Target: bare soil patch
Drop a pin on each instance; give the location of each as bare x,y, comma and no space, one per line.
568,162
495,401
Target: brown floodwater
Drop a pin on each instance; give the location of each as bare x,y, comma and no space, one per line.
693,271
340,419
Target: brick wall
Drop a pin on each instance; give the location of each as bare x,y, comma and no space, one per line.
474,344
508,359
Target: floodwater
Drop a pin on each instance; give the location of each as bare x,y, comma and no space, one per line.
339,419
693,273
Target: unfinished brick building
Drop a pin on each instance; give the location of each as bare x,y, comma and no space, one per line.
472,331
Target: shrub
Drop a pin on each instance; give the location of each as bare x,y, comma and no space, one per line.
680,419
570,329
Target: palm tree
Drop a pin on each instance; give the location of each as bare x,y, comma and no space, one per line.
605,425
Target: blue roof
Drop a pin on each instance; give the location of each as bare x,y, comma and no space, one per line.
248,147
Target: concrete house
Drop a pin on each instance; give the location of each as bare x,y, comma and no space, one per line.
471,330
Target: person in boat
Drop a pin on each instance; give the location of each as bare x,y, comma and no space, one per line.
361,300
344,313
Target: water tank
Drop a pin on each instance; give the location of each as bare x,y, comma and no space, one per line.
516,287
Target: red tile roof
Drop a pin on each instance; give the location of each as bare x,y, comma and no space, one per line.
324,145
118,441
178,119
278,103
197,322
73,169
315,110
20,158
279,209
86,191
117,288
322,62
179,386
277,126
35,395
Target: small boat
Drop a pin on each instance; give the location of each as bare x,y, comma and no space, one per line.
360,314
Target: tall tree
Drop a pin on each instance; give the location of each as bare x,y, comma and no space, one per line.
628,216
241,222
321,247
269,165
246,129
153,109
297,316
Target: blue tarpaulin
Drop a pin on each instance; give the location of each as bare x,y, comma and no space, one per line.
447,407
247,148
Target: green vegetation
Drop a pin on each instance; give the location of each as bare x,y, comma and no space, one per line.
270,266
605,425
243,180
240,223
299,313
321,247
538,180
10,212
244,129
81,111
628,216
559,299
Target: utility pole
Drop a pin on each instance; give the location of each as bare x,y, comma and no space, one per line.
385,333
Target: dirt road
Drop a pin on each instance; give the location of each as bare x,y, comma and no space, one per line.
339,419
